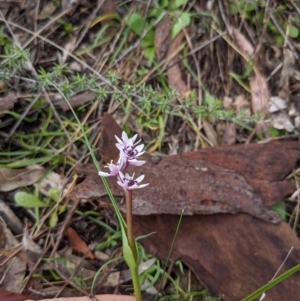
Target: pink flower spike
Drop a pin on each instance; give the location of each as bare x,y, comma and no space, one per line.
128,183
128,149
113,169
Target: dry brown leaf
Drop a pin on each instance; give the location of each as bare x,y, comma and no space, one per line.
258,84
259,93
31,249
70,4
277,104
75,100
78,244
15,269
174,73
281,121
108,7
191,183
99,297
242,42
289,70
226,133
48,10
7,102
108,138
11,179
204,182
10,296
162,37
9,3
210,133
241,103
227,103
53,180
68,47
231,255
13,222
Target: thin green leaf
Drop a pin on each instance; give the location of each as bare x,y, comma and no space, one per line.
26,162
171,249
100,270
53,220
272,283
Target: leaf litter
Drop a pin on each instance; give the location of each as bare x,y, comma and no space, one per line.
11,179
231,180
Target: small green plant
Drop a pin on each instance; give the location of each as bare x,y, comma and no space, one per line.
111,240
281,208
30,200
4,41
14,60
153,107
137,24
181,19
254,11
67,27
243,7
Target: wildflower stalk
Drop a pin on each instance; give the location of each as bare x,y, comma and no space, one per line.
128,195
129,151
132,245
129,249
136,283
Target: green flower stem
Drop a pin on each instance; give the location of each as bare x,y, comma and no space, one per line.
128,194
132,244
136,283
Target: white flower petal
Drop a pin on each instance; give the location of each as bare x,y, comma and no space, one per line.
143,185
135,162
139,147
124,137
140,178
127,176
136,186
104,174
119,140
139,154
121,184
133,138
